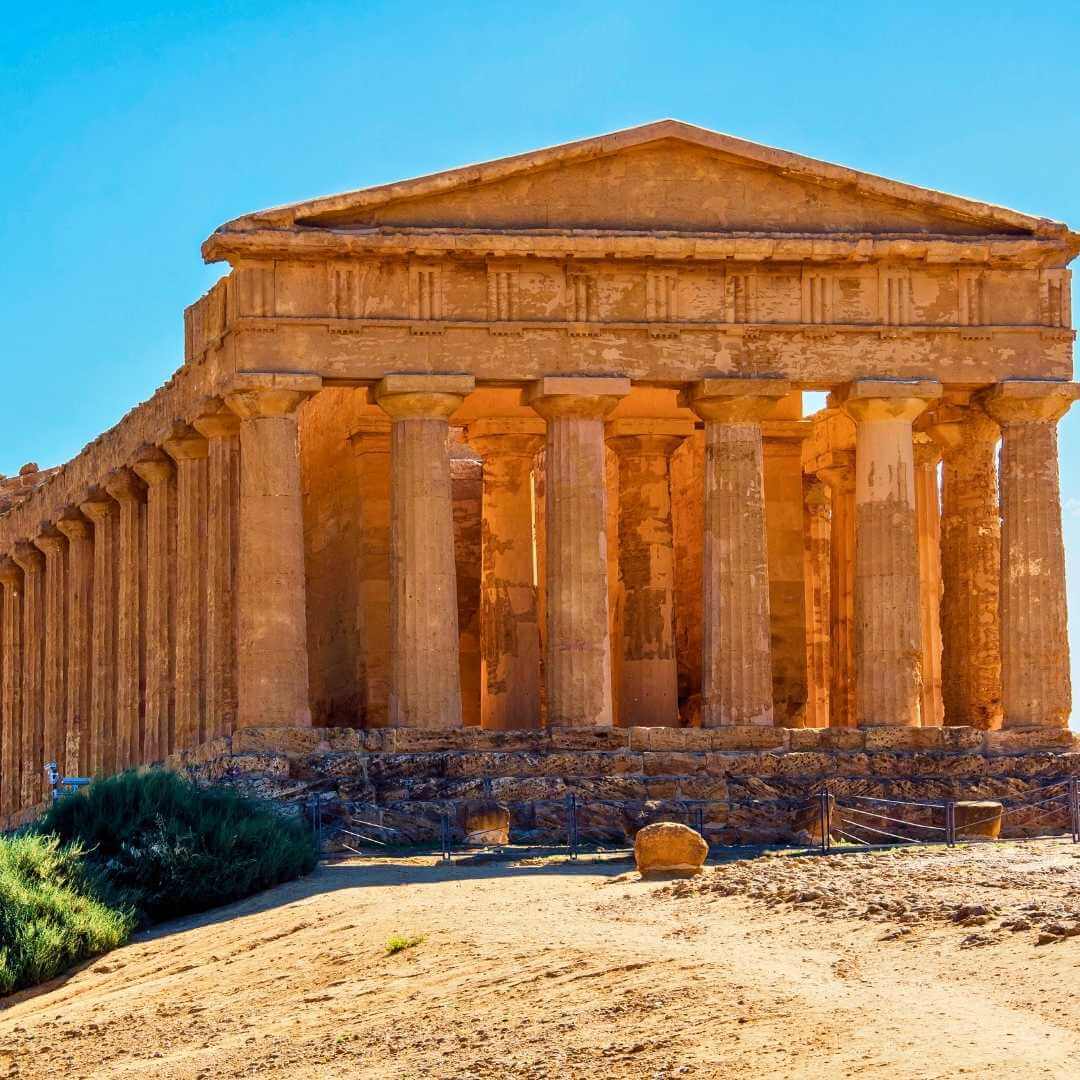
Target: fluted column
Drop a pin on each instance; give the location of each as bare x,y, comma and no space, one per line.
222,431
888,634
157,471
578,659
32,564
80,607
272,653
128,491
54,548
371,444
928,527
509,624
816,528
840,478
648,694
1036,689
736,673
101,736
970,567
11,579
425,687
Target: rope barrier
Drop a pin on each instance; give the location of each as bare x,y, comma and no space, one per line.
880,832
898,821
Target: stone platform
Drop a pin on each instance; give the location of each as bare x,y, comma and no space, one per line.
623,778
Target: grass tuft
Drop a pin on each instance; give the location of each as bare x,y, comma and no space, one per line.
400,942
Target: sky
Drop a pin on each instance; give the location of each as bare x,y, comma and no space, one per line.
128,132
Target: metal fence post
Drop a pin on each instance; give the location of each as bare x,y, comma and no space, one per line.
444,822
699,819
571,825
950,823
1074,809
823,810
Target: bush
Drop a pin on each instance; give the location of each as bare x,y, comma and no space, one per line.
49,919
165,847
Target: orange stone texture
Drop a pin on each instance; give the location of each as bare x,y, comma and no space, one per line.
523,445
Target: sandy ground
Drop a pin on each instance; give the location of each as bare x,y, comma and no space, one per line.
920,965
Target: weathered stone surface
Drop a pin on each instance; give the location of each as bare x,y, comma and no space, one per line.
1021,741
982,819
667,847
486,824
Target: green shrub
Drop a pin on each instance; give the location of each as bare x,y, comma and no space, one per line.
166,847
49,919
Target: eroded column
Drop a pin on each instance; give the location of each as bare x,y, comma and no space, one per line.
157,471
509,624
888,632
648,672
32,564
11,579
578,658
54,548
840,478
816,528
80,606
272,655
101,736
928,526
425,688
736,671
1036,689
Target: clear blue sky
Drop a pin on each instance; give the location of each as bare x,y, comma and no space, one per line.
129,131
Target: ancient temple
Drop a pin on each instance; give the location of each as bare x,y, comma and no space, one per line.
522,445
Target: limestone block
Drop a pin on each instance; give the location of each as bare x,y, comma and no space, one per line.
344,738
827,739
618,788
957,739
662,787
286,739
591,763
806,763
742,764
667,847
673,763
670,738
806,821
492,739
584,738
705,787
486,824
1021,740
527,788
746,737
981,819
493,763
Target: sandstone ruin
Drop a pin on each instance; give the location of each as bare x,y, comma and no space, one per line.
514,456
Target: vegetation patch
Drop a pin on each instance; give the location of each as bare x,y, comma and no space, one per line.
400,942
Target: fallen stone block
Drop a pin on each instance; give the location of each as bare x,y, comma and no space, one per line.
667,847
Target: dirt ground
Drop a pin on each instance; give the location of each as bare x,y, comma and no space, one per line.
915,964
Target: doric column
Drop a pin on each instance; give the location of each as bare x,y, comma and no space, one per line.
970,566
371,444
101,736
736,672
509,626
157,471
816,527
425,688
32,564
11,579
648,694
222,431
80,607
190,450
128,490
272,656
539,480
888,636
927,455
54,548
578,661
1036,690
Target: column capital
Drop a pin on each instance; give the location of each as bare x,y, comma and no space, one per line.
255,395
647,436
955,427
816,497
587,397
97,506
186,444
73,525
507,436
10,572
51,542
217,423
735,400
124,486
372,435
1029,401
839,472
154,466
868,400
422,397
927,450
28,558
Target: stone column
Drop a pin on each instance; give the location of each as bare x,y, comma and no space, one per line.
970,567
190,450
425,688
11,732
54,548
1036,690
736,673
578,660
80,606
222,431
371,444
888,634
928,527
272,656
157,471
840,478
128,490
816,527
32,564
101,736
509,624
648,694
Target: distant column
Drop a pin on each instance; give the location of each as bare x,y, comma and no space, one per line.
888,634
578,662
157,471
425,689
272,654
509,623
737,656
54,547
928,526
101,755
816,528
649,695
11,579
1036,689
190,450
32,564
80,606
